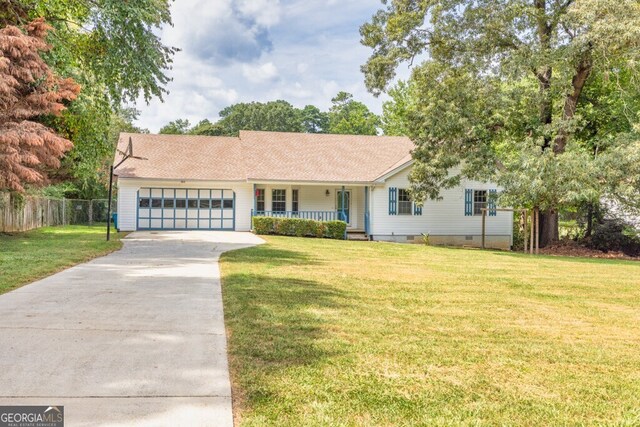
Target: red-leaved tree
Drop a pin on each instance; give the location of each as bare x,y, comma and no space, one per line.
29,90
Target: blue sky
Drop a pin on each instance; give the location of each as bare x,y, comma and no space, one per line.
261,50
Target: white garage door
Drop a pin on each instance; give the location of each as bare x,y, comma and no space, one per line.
186,209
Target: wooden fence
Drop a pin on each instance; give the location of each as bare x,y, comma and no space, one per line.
30,212
27,213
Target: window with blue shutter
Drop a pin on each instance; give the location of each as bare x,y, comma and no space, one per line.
393,200
417,210
492,202
468,202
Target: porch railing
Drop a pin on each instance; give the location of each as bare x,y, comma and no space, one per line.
315,215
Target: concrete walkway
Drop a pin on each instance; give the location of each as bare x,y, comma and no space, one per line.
134,338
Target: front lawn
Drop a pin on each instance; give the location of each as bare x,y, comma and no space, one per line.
25,257
374,334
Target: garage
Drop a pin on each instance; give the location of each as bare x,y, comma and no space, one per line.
186,209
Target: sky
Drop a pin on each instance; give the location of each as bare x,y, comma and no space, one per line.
302,51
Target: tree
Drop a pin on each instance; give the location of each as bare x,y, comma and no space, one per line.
29,90
394,112
500,94
176,127
347,116
110,47
314,120
274,116
113,43
205,127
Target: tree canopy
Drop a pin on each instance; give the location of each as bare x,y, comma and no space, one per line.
176,127
111,48
508,90
29,90
345,116
278,116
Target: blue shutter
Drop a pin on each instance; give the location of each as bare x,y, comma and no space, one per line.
468,202
492,202
417,210
393,194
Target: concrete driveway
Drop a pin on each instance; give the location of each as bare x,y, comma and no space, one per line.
134,338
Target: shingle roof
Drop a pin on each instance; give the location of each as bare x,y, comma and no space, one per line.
265,156
182,157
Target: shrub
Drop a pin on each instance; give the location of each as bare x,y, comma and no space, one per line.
263,225
335,229
616,235
299,227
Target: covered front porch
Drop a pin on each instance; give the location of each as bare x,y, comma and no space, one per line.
320,202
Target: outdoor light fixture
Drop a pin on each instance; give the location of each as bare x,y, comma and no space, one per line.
327,193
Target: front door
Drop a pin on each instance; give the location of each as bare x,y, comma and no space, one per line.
347,203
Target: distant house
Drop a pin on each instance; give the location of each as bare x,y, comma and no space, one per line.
219,183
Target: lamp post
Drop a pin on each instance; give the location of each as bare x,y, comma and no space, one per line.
126,156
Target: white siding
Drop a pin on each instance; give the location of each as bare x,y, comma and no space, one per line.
439,218
128,198
127,202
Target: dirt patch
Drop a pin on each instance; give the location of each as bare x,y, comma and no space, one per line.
575,249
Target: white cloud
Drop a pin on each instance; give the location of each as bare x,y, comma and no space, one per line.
261,73
265,12
261,50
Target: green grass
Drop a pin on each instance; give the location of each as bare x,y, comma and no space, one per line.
25,257
325,333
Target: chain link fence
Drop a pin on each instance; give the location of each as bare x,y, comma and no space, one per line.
27,213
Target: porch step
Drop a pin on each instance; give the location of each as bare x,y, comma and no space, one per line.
360,236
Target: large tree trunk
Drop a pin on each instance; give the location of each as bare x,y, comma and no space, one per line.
548,228
583,70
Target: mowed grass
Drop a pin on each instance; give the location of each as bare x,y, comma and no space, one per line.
25,257
325,333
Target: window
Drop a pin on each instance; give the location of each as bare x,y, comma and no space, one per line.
181,203
227,204
205,203
479,201
216,204
294,200
168,203
260,199
193,203
278,200
144,203
404,202
156,203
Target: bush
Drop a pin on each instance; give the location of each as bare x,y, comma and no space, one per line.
616,235
263,225
335,229
299,227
